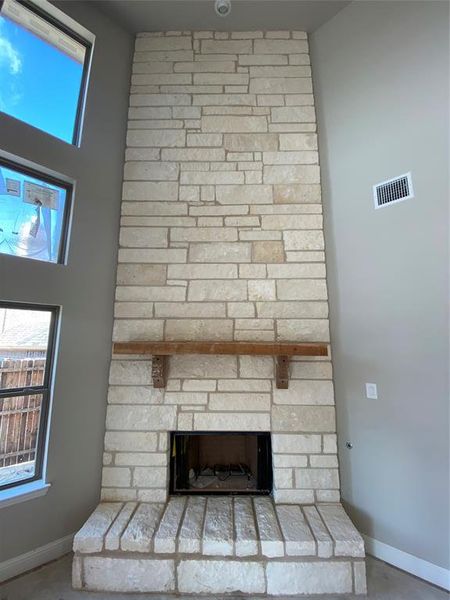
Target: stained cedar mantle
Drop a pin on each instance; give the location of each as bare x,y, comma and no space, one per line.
244,348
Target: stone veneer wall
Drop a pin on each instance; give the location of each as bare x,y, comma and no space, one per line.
221,239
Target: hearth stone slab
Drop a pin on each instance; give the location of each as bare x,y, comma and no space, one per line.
219,545
220,577
329,577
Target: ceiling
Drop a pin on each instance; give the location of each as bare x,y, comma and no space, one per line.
246,15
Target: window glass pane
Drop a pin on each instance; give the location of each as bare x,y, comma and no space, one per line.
41,71
31,216
19,430
23,347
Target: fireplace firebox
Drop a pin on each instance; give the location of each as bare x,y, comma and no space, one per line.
220,463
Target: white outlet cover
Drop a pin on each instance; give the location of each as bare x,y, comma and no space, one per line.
371,391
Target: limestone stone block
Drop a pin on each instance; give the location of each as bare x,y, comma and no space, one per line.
293,496
262,59
250,142
185,421
288,310
199,271
268,252
320,532
116,477
295,271
141,459
246,540
256,367
138,535
303,240
199,329
145,171
241,309
261,290
298,141
90,537
296,443
129,372
190,535
193,154
287,174
190,398
221,78
239,402
156,137
329,461
244,194
137,329
190,309
204,139
281,85
244,385
165,536
316,478
232,421
284,222
253,271
218,527
307,392
220,577
150,190
203,366
133,210
347,540
150,112
216,289
279,71
150,477
293,114
330,577
223,252
312,330
330,443
280,47
143,237
152,44
359,574
140,418
104,574
303,418
299,157
160,99
233,124
169,255
308,369
302,289
270,536
130,441
254,324
289,460
152,495
224,100
112,538
186,112
299,540
226,47
205,234
283,478
151,293
223,66
211,177
141,274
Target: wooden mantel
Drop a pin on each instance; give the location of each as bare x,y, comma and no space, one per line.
162,350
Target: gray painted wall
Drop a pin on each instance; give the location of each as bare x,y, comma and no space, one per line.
84,288
381,81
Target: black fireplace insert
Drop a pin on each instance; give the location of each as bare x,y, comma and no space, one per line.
220,463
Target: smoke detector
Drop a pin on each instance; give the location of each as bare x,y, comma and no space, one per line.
222,7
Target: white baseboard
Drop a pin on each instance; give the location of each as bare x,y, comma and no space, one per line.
408,562
35,558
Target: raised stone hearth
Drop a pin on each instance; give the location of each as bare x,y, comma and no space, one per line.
216,545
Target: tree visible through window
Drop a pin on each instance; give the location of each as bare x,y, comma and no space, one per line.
42,71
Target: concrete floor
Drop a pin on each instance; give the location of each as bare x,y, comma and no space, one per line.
52,582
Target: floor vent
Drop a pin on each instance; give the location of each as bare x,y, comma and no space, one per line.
393,190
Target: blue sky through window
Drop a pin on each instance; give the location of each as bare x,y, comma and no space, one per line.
39,84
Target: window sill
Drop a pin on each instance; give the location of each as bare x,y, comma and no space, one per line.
22,493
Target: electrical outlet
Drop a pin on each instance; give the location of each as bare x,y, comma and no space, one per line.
371,391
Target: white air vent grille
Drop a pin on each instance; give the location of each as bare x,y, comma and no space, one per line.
393,190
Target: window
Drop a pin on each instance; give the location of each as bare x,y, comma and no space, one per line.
43,69
27,339
34,212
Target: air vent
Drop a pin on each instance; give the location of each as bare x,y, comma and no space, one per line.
393,190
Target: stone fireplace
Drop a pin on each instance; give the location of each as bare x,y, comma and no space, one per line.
220,463
221,239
